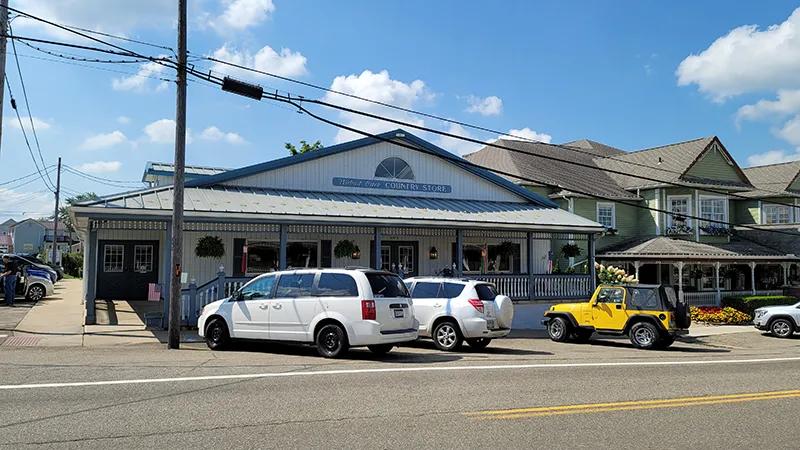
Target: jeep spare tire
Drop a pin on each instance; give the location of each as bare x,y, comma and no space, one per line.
504,311
683,318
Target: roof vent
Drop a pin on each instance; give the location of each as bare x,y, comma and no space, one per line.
400,135
659,160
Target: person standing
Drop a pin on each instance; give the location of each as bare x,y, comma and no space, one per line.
9,280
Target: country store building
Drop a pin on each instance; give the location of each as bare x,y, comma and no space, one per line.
420,211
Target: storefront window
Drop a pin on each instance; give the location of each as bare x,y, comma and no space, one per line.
264,256
491,258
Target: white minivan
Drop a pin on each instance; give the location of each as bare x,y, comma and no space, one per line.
335,309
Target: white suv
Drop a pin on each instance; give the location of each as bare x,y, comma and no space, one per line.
333,308
451,310
781,321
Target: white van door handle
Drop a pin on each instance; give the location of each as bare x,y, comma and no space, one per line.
437,305
263,306
277,305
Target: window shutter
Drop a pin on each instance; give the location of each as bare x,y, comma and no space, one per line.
238,249
327,253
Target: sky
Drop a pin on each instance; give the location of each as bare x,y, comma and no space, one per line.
631,74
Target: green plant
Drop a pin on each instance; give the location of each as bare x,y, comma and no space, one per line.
508,248
750,303
344,249
570,250
569,270
613,275
726,315
73,264
210,247
556,268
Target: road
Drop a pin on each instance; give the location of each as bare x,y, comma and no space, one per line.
730,391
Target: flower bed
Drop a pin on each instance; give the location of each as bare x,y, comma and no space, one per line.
713,314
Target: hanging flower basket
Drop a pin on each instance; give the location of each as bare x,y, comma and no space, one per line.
508,249
678,230
717,230
210,247
344,249
570,250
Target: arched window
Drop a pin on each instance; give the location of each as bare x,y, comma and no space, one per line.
394,167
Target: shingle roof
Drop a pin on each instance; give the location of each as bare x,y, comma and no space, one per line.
531,160
773,180
595,147
764,235
666,247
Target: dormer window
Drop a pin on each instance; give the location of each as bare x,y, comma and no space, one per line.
395,168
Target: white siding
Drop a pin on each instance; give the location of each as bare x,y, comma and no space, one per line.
317,175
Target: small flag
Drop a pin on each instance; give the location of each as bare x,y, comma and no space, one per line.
244,258
153,292
550,262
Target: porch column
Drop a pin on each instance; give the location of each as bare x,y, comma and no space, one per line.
531,262
716,277
459,253
590,262
753,276
680,265
91,275
786,266
284,238
377,250
167,277
636,265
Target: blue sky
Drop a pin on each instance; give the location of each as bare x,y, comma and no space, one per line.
631,74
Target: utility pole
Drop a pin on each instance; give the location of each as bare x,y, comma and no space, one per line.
3,33
55,216
174,340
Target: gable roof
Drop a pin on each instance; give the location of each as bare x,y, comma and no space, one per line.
531,160
667,164
774,180
594,147
8,223
395,135
666,247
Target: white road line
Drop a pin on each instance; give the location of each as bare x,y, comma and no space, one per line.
3,335
392,370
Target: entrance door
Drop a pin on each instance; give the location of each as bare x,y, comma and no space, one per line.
125,268
397,253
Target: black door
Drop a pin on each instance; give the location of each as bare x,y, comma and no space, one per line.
397,254
125,269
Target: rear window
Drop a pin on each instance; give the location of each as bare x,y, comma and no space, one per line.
387,285
673,299
426,290
643,299
453,290
486,292
336,285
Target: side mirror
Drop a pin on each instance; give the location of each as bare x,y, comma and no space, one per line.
238,296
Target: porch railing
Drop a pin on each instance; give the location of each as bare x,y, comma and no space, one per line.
710,298
545,286
514,286
194,298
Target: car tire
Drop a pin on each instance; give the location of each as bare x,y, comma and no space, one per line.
558,328
666,341
35,293
381,349
217,335
781,328
478,343
504,311
581,336
644,335
332,341
447,336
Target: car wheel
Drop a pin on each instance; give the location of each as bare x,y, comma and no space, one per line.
558,329
644,335
217,336
332,341
478,343
381,349
35,293
781,328
447,336
582,336
666,341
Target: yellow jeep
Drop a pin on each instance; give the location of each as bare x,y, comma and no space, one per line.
650,315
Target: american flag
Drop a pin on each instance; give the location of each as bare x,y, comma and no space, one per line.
550,261
153,292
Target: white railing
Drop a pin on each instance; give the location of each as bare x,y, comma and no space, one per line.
514,286
562,287
709,298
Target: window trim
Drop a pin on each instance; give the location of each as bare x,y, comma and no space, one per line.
700,199
792,217
613,212
688,198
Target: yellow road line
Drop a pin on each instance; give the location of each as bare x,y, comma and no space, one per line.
630,405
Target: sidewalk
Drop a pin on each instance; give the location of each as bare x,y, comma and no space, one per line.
54,321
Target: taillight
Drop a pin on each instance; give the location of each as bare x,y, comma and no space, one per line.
368,310
477,304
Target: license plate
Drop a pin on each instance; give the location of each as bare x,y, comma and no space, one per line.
490,324
399,313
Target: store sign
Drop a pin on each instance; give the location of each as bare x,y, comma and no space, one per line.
392,185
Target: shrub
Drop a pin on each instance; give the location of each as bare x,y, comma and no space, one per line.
613,275
749,303
713,314
73,264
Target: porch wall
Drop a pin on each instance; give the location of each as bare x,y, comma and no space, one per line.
134,235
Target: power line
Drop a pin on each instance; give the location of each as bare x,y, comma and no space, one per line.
65,55
27,103
22,178
80,172
32,180
105,181
122,38
105,69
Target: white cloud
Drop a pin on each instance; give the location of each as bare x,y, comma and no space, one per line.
25,205
527,134
378,87
242,14
100,167
124,120
38,123
287,63
773,157
489,106
458,146
121,18
647,69
747,59
213,133
788,103
105,140
141,81
163,132
790,131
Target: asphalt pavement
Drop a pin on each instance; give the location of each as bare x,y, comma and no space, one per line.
727,391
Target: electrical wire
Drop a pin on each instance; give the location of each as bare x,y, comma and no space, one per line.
32,180
108,181
26,176
105,69
74,57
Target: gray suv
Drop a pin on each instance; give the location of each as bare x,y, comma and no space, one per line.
780,321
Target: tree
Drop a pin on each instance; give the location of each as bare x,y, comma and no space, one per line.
304,147
63,212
